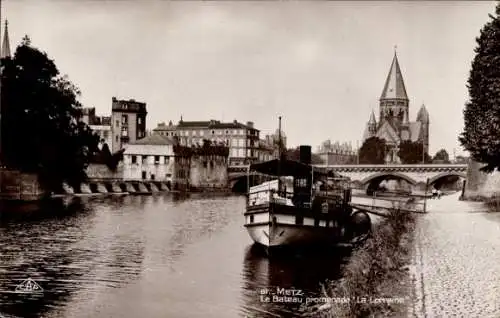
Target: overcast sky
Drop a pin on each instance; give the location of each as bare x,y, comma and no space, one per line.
321,65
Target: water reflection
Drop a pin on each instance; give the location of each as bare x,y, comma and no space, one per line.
305,271
65,247
201,217
164,255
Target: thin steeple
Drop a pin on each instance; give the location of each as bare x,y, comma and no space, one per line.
372,118
6,41
423,114
394,87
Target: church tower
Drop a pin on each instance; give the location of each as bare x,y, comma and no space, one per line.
372,125
423,118
6,41
394,102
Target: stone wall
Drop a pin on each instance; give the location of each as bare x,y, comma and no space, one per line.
15,185
101,171
480,185
208,172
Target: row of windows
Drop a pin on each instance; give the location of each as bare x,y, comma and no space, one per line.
241,153
125,120
152,175
201,133
210,132
136,159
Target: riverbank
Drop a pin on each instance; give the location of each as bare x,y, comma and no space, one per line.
377,280
456,260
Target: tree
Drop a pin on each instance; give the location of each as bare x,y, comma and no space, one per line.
373,151
411,152
441,156
482,111
41,131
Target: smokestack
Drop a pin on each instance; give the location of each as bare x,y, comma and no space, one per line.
305,154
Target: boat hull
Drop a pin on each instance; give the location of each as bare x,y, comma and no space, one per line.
282,235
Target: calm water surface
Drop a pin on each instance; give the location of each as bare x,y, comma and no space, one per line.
140,256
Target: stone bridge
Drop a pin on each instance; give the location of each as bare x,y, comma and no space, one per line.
364,175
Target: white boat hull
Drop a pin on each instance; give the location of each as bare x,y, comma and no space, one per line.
284,232
286,235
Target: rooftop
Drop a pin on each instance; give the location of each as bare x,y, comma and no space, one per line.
394,87
154,140
130,105
215,124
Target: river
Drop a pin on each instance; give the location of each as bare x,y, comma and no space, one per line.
147,256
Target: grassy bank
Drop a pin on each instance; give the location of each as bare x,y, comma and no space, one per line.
376,282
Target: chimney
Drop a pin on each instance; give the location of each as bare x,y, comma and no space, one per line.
250,124
235,121
305,154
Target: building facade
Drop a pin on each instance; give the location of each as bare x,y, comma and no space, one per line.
242,139
101,125
393,124
150,158
337,153
128,122
164,159
208,167
266,151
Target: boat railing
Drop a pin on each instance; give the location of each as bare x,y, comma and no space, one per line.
269,195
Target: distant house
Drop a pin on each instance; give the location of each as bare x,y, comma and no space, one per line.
337,153
100,125
164,159
150,158
242,139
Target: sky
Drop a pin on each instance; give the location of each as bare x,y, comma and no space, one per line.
319,65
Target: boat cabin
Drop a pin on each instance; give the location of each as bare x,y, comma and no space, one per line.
300,185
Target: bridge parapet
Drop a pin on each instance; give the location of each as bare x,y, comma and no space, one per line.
380,167
397,168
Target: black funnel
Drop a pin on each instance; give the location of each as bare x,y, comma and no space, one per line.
305,154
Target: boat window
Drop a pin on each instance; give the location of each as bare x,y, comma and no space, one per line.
301,182
299,220
251,218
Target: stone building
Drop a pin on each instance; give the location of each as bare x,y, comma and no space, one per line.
163,129
101,125
266,150
164,159
393,124
242,139
200,167
208,168
337,153
128,119
150,158
272,141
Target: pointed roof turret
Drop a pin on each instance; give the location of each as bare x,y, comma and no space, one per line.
394,87
423,114
372,118
6,41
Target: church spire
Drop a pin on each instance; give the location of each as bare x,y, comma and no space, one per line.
423,114
372,118
6,41
394,87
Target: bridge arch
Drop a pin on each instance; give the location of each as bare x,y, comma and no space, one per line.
446,174
397,175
